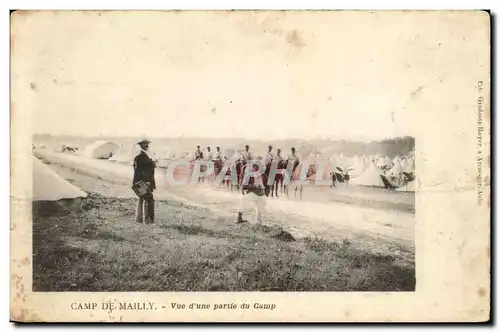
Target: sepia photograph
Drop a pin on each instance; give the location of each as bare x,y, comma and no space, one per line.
156,200
237,151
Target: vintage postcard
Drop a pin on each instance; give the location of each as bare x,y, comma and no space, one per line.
250,166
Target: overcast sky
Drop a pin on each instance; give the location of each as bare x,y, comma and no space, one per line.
255,75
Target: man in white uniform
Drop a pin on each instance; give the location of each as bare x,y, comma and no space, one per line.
254,193
209,155
269,156
246,155
293,159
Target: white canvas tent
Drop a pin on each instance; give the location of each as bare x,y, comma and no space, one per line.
51,192
305,150
395,170
100,150
358,168
342,162
408,166
328,151
327,170
125,155
385,162
370,178
165,153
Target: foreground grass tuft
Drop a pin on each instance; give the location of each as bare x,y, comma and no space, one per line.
101,248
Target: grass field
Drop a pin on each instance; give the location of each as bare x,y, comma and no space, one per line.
191,249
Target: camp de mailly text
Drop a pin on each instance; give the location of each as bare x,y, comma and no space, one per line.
114,305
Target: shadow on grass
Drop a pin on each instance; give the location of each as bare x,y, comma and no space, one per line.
191,229
53,267
370,272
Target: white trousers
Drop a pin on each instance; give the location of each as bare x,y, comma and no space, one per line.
248,200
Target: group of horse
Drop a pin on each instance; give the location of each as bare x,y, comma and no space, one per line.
281,183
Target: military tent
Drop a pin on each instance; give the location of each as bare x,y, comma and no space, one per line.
305,149
166,153
370,178
342,161
51,193
408,166
100,150
395,170
384,162
358,168
125,155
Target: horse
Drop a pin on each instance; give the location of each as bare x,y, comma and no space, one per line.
227,179
241,167
340,175
217,168
272,189
287,178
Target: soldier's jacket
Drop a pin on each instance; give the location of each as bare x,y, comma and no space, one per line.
246,155
144,169
198,155
294,159
269,158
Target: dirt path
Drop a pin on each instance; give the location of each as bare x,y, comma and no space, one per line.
340,215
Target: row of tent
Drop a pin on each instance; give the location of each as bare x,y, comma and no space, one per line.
115,152
52,193
375,177
373,171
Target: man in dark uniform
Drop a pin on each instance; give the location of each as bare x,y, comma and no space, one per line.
295,161
144,170
218,155
198,155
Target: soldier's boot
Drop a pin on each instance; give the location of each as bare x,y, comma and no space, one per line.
240,218
139,211
149,211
